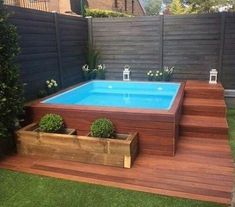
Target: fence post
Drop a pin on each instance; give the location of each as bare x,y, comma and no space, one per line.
222,38
90,31
58,47
161,41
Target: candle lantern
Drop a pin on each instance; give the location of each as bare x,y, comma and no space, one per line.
213,76
126,73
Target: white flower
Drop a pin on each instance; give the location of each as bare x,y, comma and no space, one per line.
157,71
157,75
48,82
55,84
151,74
85,68
127,67
49,86
160,73
100,67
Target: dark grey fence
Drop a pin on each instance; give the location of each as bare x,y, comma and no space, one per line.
52,46
193,44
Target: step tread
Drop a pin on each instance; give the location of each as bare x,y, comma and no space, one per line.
204,121
203,85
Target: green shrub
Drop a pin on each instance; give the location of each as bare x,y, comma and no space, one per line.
11,101
102,128
104,13
51,123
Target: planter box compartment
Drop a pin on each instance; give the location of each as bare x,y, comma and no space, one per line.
119,152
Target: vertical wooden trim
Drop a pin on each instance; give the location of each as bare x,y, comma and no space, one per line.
161,40
58,46
222,39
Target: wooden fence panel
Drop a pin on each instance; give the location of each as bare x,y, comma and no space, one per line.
194,44
229,52
132,41
52,47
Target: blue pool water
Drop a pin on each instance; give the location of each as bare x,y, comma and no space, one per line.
138,95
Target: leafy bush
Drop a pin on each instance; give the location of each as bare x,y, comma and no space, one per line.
102,128
11,102
51,123
104,13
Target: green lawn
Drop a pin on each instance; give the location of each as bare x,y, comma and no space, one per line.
231,121
23,190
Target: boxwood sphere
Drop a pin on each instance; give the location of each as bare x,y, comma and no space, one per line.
51,123
102,128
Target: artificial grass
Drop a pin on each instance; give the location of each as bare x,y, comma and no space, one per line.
24,190
231,122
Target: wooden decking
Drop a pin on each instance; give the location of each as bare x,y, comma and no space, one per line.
202,168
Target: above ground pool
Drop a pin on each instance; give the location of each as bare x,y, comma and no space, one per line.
151,109
135,95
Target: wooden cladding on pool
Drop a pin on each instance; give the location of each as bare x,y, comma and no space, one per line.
157,129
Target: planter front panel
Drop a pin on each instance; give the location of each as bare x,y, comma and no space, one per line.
120,153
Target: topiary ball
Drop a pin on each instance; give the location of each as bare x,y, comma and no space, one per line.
102,128
51,123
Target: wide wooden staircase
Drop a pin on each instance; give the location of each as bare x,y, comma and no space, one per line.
204,112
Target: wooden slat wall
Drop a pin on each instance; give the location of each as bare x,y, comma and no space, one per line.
48,53
132,41
191,43
229,52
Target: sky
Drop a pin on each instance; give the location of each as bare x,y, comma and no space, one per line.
143,1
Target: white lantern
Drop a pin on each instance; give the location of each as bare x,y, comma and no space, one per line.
213,76
126,73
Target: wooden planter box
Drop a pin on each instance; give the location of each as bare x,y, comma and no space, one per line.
114,152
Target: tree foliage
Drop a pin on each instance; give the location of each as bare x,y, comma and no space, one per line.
177,7
11,103
153,7
209,6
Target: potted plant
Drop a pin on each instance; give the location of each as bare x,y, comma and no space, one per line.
164,74
100,72
86,72
51,86
150,75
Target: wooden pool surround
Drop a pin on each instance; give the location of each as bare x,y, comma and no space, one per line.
158,129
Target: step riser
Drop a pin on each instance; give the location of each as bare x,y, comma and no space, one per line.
204,111
196,129
207,94
204,135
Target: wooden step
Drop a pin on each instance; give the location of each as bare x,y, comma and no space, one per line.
199,89
204,107
204,126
